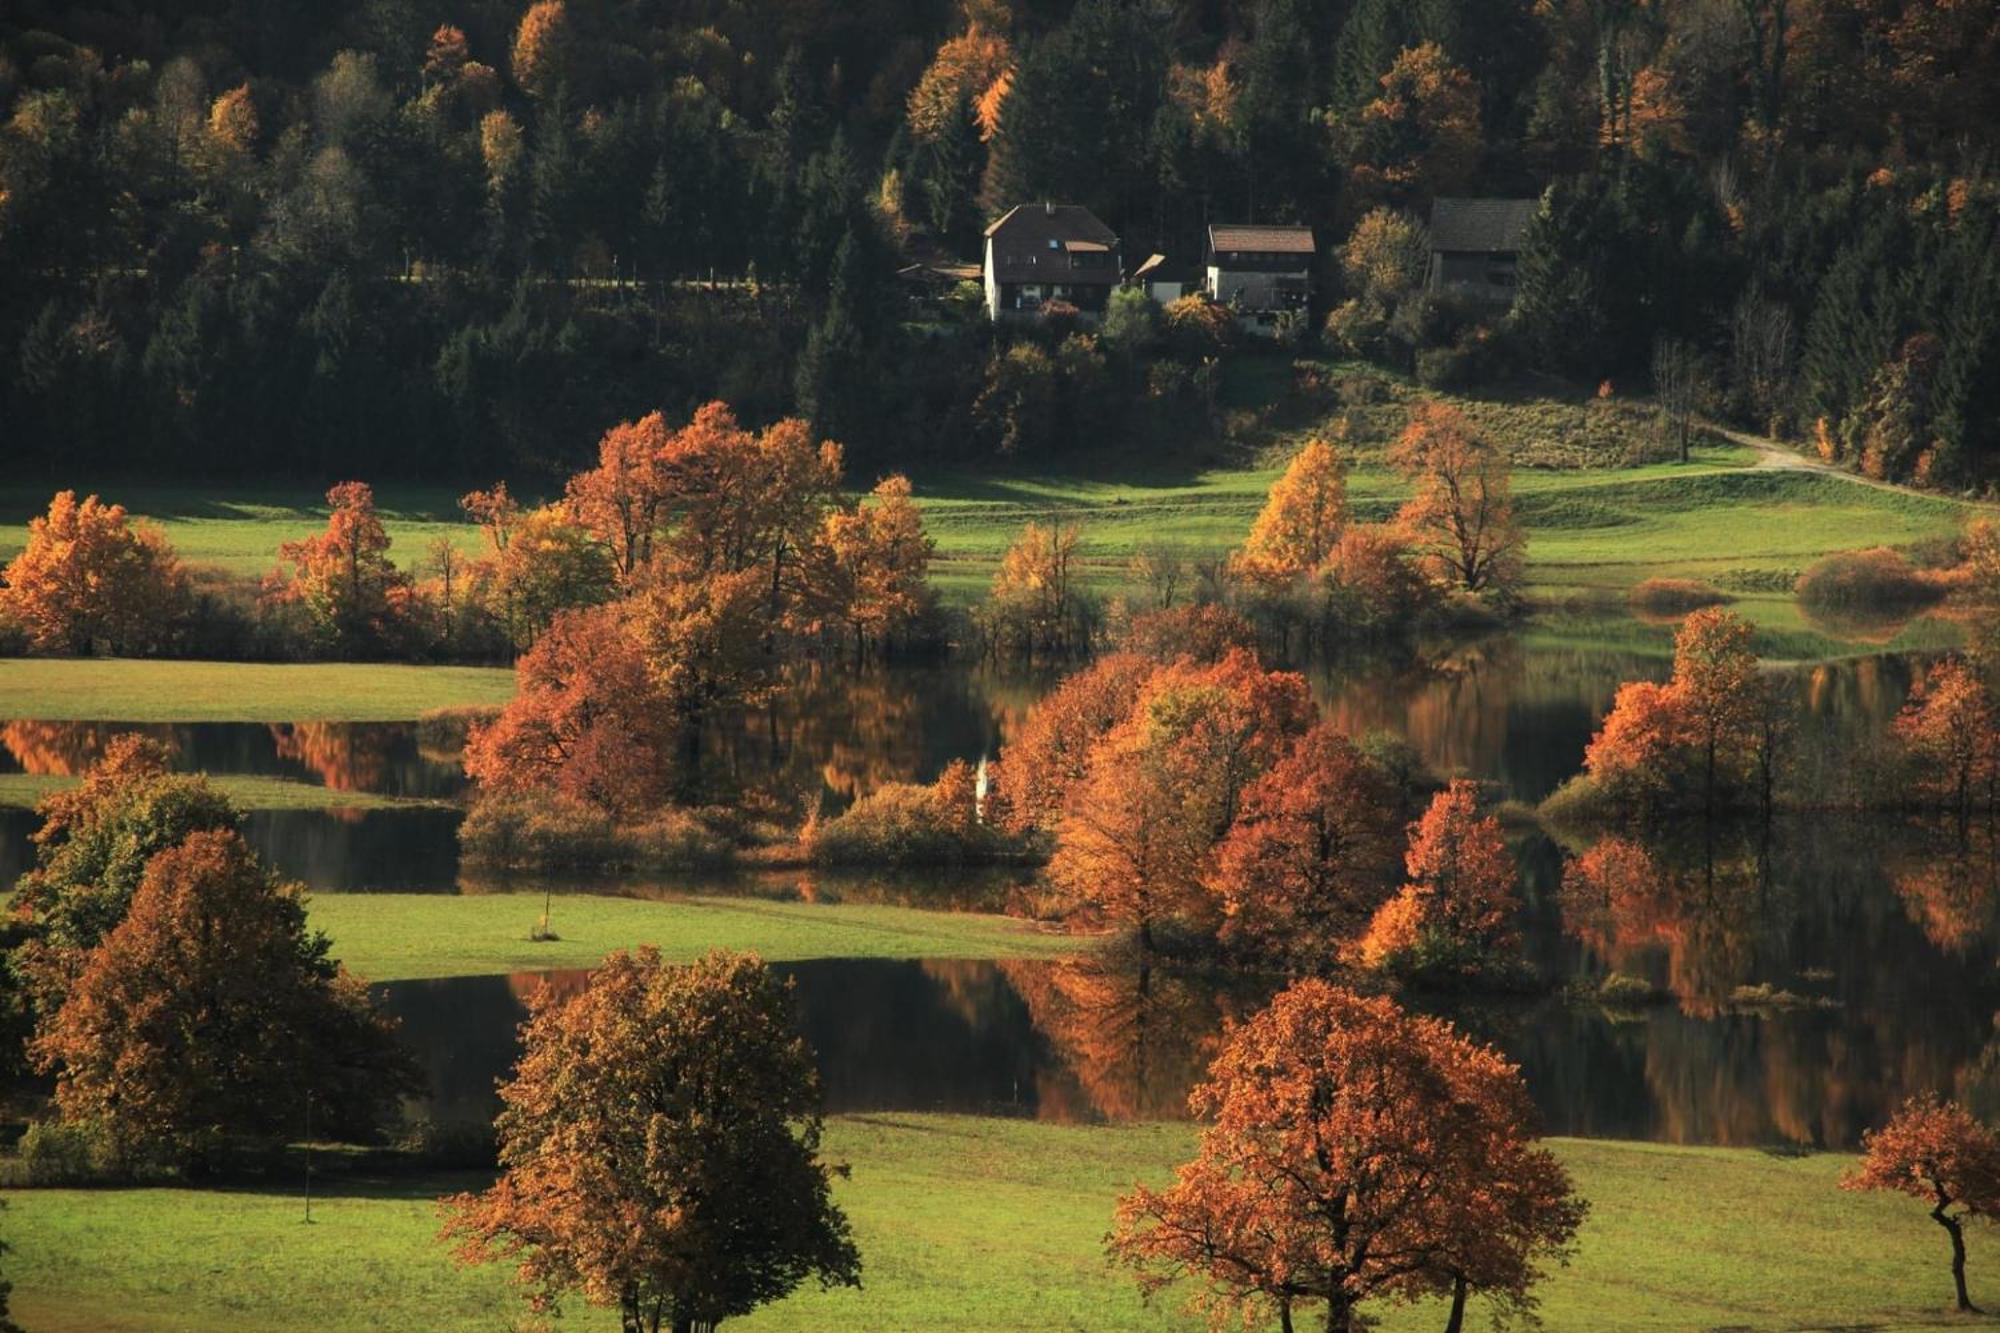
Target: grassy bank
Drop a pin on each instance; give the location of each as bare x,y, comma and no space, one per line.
969,1223
136,690
396,936
250,791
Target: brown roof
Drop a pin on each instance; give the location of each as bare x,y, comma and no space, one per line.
1482,226
1263,240
1027,235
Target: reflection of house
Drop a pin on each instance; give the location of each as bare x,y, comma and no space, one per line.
1039,253
1260,271
1475,244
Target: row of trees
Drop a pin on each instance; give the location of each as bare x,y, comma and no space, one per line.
1199,798
1307,574
1719,734
752,520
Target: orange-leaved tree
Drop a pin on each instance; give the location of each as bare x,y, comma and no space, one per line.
1312,853
1050,753
1936,1152
89,580
587,720
1462,514
1355,1153
1162,787
355,601
1951,725
1457,909
1035,602
623,499
210,1014
1301,520
1715,686
868,569
660,1149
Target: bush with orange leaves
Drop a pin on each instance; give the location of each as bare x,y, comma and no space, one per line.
1355,1153
90,581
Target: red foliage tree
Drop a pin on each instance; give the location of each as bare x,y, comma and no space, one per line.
1951,725
356,602
588,719
1356,1152
1461,897
1935,1151
1312,854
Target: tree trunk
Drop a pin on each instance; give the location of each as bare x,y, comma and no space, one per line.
1957,1234
1339,1311
1456,1323
1285,1314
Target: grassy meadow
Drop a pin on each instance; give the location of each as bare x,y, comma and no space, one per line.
144,690
250,791
974,1223
399,936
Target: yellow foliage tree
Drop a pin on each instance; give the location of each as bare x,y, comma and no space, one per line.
1301,521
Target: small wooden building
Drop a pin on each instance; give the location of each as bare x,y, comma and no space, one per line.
1476,247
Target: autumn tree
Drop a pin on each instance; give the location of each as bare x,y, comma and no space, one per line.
1457,907
355,601
544,51
1951,726
1356,1153
1162,787
1421,135
210,1014
1312,853
548,564
1935,1151
1050,752
702,640
1300,522
1035,603
588,718
659,1149
89,581
624,498
1716,689
869,567
1462,514
98,837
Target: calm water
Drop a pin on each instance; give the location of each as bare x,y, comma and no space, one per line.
1879,958
1875,954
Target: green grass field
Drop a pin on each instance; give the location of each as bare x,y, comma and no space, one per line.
249,791
969,1223
396,936
139,690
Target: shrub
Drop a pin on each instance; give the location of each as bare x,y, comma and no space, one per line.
537,829
1205,632
56,1153
906,824
444,731
452,1145
1675,597
1875,580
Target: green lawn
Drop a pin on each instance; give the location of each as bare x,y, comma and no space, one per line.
140,690
968,1223
237,529
396,936
249,791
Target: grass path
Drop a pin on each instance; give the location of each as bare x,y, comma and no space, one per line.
401,936
972,1223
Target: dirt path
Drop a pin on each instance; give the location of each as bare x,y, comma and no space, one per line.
1775,456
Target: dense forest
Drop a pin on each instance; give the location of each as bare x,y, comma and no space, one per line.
382,237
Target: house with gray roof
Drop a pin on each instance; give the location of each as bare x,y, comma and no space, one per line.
1038,253
1476,247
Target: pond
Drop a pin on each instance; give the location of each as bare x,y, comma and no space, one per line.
1801,983
1807,989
